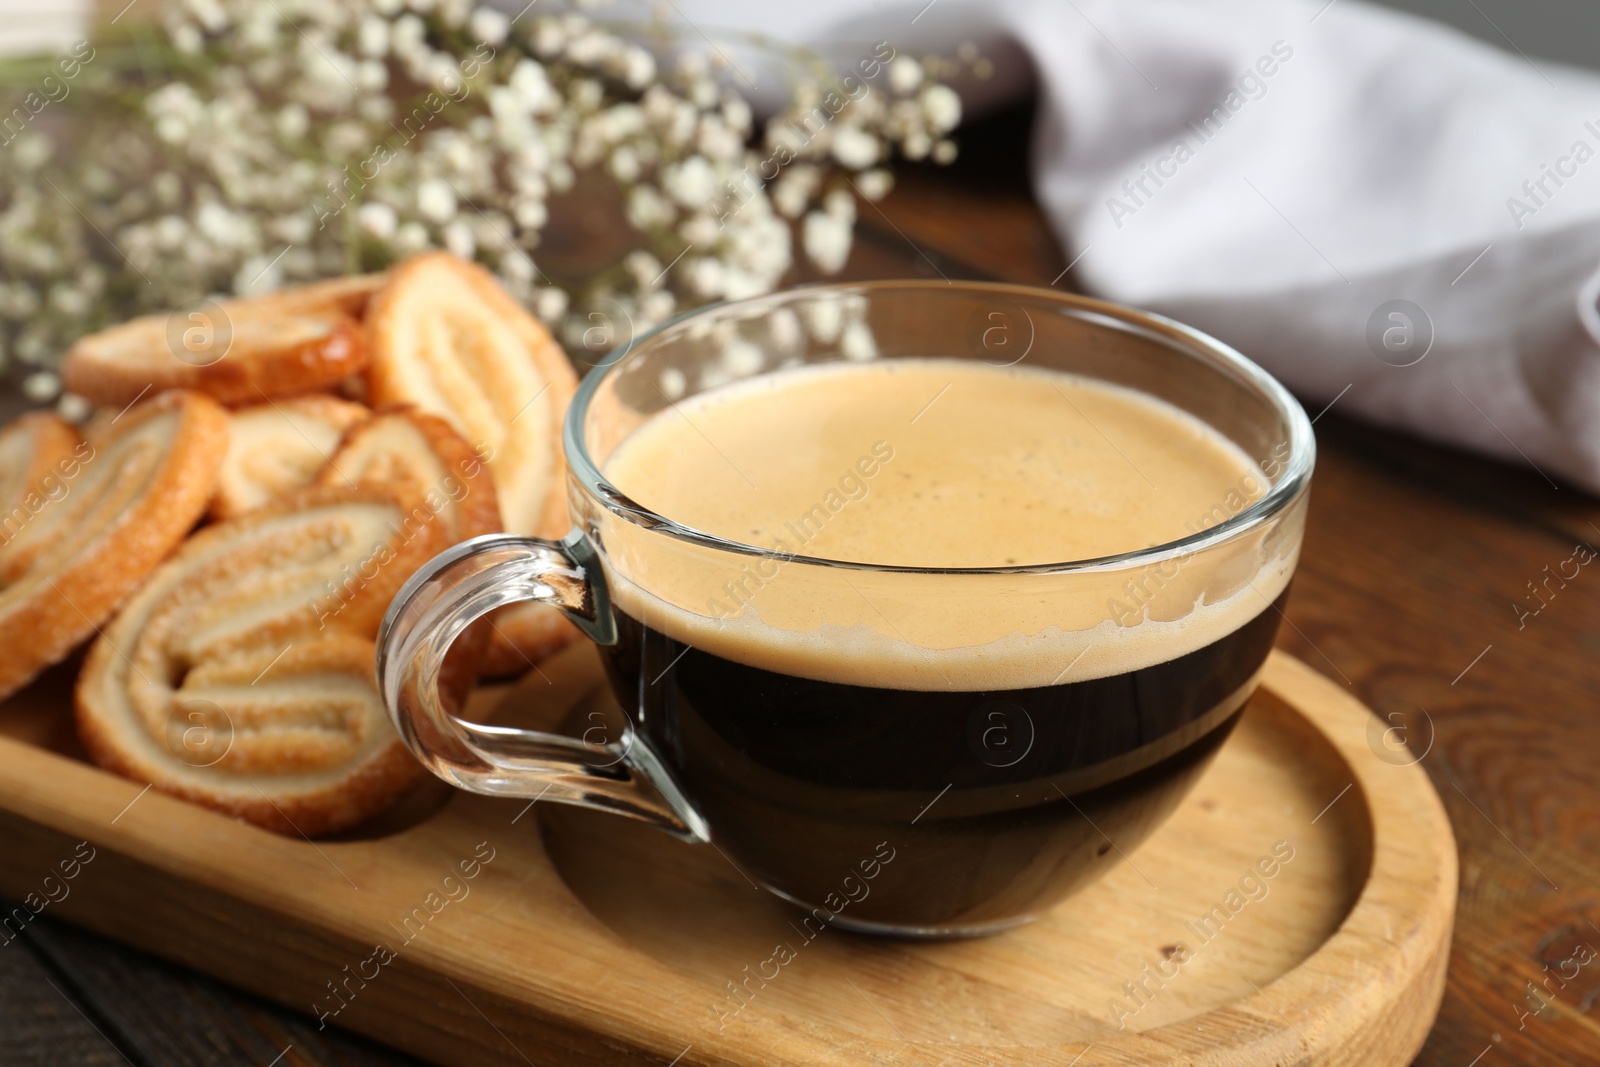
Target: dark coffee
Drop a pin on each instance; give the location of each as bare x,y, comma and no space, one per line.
966,808
933,748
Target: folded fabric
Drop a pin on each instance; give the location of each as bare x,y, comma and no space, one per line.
1383,212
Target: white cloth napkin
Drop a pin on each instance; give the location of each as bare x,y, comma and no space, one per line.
1337,159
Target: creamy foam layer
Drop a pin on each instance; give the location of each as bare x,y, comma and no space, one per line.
942,464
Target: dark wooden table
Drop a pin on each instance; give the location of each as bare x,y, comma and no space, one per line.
1413,562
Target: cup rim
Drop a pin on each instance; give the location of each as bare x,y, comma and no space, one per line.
1296,475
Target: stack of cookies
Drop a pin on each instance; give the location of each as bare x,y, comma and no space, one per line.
326,441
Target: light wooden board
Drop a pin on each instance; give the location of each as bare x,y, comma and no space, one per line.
587,939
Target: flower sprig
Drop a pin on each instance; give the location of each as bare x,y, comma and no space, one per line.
237,147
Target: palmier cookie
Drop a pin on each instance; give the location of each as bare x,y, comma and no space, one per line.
446,338
237,351
423,457
40,455
419,457
124,500
348,294
277,447
422,460
240,676
520,635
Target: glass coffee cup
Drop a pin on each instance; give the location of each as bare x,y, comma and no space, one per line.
913,750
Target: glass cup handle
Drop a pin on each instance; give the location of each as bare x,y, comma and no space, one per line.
436,605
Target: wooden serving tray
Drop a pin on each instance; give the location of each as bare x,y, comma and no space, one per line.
472,930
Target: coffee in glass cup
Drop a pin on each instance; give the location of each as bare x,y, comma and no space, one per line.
925,603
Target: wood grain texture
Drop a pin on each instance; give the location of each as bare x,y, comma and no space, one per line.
600,940
44,1023
148,1011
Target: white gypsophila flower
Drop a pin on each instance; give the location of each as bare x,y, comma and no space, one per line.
69,300
620,122
840,204
742,359
411,237
625,165
18,301
824,317
591,47
656,308
691,182
874,185
638,68
736,113
550,304
531,83
585,94
784,330
41,386
32,150
224,227
459,238
737,284
857,342
436,200
187,39
854,147
74,408
296,228
293,122
489,26
794,189
378,220
321,137
372,76
716,140
258,274
209,14
407,36
905,74
32,346
705,275
942,107
826,239
548,37
760,245
530,214
372,36
699,229
644,268
517,267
